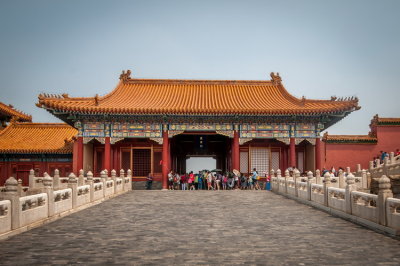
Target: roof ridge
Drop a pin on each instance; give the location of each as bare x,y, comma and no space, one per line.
18,113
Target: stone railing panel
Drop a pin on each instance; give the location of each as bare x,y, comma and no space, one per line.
364,205
83,195
334,182
393,213
98,191
302,190
317,193
109,187
5,216
119,186
291,189
33,208
336,198
62,200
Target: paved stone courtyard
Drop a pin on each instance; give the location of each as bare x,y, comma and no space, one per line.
200,227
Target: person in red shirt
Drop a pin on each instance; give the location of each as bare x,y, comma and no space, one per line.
183,182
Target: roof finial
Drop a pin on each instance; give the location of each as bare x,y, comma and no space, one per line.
276,79
125,76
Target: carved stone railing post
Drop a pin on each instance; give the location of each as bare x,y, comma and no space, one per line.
358,169
349,188
309,182
318,177
11,193
73,184
364,180
385,166
89,181
19,187
56,179
371,165
81,178
32,183
278,176
296,177
48,189
114,178
383,193
327,183
122,176
272,174
391,158
369,180
129,174
342,182
287,176
348,171
104,177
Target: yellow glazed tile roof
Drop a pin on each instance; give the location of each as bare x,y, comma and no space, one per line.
194,97
9,110
37,138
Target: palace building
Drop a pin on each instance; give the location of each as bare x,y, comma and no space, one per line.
24,145
154,125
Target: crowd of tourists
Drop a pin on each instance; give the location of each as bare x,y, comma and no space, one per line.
383,154
211,180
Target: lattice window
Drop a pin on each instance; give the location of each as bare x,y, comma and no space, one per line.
300,161
244,161
275,160
141,162
126,160
260,160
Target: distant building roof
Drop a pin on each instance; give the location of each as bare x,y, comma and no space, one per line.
8,112
37,138
350,139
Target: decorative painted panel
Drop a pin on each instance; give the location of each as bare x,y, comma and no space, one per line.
94,129
264,131
200,127
305,134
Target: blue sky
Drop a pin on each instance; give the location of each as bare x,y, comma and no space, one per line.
320,48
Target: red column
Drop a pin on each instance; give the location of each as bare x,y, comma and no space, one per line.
293,152
235,151
75,155
78,155
318,153
107,155
165,160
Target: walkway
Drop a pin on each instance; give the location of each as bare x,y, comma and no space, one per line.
200,227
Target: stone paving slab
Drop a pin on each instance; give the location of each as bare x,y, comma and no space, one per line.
200,227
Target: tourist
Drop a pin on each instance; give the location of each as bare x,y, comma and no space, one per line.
397,152
183,181
231,182
243,182
177,179
149,181
250,182
209,181
191,180
224,181
200,181
218,179
196,181
236,182
171,180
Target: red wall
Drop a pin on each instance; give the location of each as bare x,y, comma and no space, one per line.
344,155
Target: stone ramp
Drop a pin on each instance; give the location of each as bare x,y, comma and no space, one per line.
200,227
